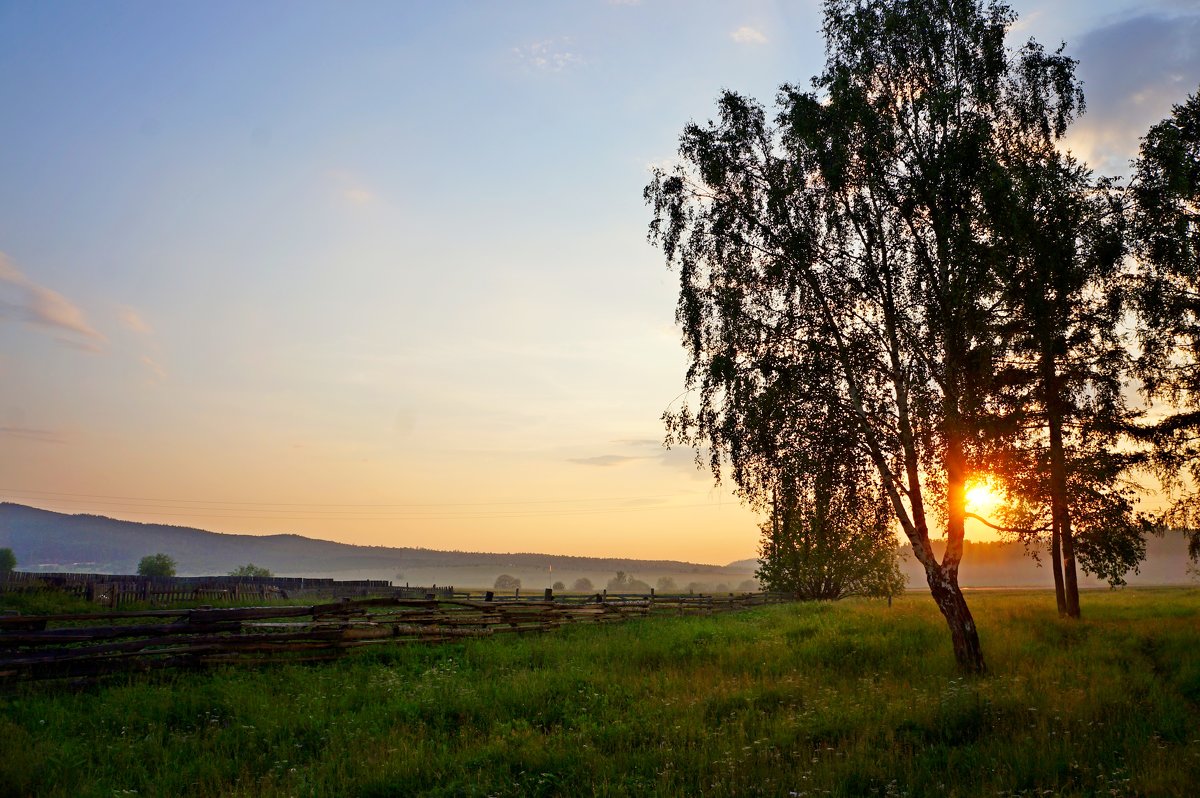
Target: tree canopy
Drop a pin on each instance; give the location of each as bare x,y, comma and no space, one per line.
156,565
507,582
1166,220
856,225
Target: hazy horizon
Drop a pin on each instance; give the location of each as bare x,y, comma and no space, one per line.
377,273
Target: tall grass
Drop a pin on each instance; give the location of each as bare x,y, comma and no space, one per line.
853,698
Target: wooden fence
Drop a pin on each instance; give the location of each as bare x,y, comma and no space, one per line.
67,646
115,590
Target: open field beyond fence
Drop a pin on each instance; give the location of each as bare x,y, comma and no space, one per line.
800,699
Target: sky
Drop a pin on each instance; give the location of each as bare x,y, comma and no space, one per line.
377,272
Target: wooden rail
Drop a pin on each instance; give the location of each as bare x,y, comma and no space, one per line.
68,646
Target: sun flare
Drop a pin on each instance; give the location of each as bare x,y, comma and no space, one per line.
982,497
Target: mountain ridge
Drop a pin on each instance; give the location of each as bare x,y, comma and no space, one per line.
48,540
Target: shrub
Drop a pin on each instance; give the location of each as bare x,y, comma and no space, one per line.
507,582
250,569
156,565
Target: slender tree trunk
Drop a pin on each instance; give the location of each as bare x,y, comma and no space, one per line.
1059,507
943,584
1056,566
1070,578
943,578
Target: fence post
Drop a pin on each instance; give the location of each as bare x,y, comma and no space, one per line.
488,596
549,595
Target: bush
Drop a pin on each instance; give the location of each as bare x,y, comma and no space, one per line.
557,586
507,582
8,560
156,565
666,585
250,569
583,585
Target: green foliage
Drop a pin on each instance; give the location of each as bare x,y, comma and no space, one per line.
583,585
830,533
250,569
849,237
558,586
507,582
8,560
1166,221
156,565
846,699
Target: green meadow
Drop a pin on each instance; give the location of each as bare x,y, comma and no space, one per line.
845,699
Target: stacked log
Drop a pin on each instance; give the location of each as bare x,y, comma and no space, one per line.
86,645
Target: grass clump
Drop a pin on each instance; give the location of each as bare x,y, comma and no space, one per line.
853,698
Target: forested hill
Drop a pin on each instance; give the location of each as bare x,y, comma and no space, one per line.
45,540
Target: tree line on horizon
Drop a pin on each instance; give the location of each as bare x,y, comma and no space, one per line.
899,283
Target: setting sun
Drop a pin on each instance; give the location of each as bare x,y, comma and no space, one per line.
982,497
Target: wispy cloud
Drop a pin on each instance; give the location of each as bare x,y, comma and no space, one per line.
157,370
43,307
549,55
655,442
352,189
604,460
748,35
32,434
1026,21
132,320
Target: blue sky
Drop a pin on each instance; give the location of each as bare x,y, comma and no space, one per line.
377,272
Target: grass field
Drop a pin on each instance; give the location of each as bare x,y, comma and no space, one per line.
853,698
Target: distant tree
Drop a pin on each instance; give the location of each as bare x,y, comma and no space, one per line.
156,565
507,582
625,583
666,585
250,569
557,586
8,560
748,586
583,585
830,532
829,543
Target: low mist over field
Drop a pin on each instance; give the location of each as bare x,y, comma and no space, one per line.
51,541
